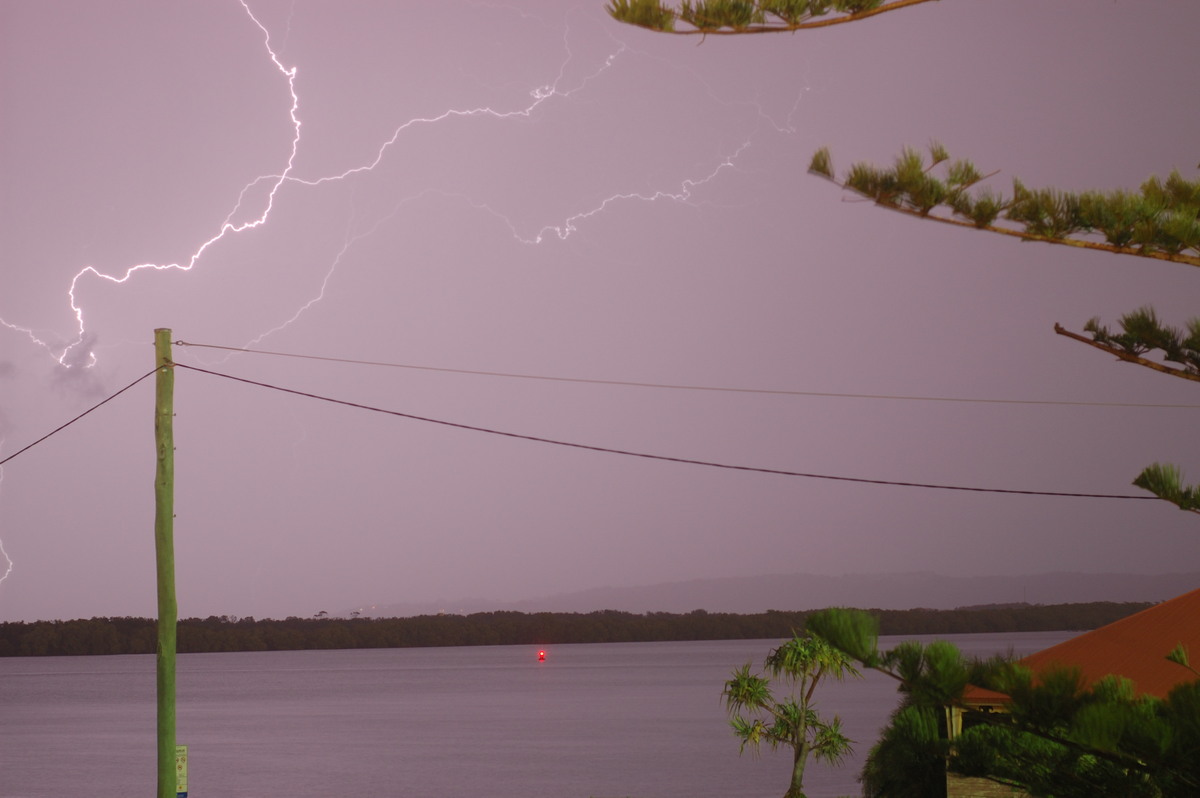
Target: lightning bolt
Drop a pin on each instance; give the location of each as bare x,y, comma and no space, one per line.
683,194
561,232
8,560
77,353
350,240
538,97
66,357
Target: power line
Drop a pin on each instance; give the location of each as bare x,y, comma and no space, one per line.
628,383
81,415
589,447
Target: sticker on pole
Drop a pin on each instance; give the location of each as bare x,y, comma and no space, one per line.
181,771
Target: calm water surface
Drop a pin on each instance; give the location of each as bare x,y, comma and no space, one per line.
642,720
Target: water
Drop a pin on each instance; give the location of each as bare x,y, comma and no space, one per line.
642,720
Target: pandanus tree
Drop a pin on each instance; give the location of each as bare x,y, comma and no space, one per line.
759,716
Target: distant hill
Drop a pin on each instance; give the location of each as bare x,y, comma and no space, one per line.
812,591
126,635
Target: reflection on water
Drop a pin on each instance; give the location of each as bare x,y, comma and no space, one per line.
626,719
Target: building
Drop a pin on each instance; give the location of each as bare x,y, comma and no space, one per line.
1135,647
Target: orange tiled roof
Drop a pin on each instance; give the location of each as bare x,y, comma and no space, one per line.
979,697
1135,647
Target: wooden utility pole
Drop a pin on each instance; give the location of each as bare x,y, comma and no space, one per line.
164,552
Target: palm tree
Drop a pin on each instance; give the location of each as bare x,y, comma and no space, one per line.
756,715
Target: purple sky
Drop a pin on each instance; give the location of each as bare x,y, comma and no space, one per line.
531,187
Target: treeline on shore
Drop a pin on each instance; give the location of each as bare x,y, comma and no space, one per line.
226,633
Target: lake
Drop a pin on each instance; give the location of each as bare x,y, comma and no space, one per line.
636,720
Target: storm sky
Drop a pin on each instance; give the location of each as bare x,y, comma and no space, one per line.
530,188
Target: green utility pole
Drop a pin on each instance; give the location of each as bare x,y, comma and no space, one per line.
164,552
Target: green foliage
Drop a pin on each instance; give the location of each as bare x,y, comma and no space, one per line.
1046,212
1180,713
1060,736
1166,482
857,6
1179,655
1046,704
791,721
1161,219
933,674
854,632
909,761
643,13
747,691
806,658
711,15
1042,767
821,163
794,12
911,185
910,758
1142,332
743,16
1132,745
1063,738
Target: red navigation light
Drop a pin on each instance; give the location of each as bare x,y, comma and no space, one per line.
541,656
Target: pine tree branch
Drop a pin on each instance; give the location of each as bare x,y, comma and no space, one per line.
1179,655
1190,260
1127,356
1160,221
653,15
1166,482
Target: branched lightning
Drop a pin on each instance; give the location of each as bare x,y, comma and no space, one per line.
683,194
77,353
73,355
350,240
65,357
538,97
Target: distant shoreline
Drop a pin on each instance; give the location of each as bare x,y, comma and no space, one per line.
100,636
